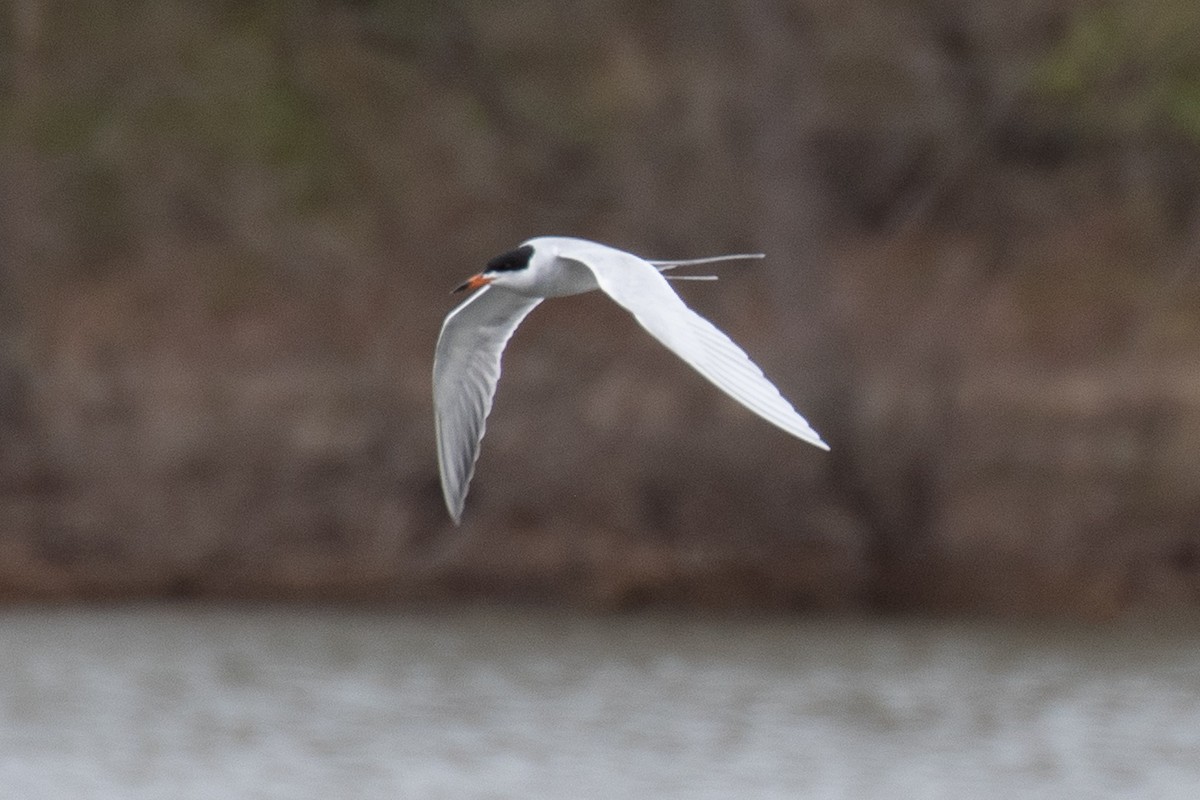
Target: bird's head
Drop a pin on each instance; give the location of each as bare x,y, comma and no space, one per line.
501,270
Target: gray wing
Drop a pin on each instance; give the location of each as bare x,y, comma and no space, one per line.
638,287
466,367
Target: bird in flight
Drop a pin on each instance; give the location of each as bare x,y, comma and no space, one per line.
466,364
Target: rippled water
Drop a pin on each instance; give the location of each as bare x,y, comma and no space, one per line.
213,703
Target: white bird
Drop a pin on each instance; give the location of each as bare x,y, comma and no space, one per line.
466,365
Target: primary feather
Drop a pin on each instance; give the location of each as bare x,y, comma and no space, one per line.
466,367
639,288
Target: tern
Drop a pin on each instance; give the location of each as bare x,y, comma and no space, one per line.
466,364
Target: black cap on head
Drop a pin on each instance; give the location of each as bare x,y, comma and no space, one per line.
512,260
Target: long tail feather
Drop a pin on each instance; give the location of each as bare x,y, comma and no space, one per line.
663,266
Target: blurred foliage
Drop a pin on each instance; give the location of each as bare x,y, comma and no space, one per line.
228,228
1129,68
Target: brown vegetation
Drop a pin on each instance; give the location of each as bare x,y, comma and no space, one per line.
227,230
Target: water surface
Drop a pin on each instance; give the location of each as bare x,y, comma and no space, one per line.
204,703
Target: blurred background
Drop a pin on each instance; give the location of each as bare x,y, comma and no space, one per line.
228,231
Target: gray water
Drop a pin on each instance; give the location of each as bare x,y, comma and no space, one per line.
214,703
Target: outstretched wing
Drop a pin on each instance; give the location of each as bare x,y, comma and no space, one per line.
638,287
466,367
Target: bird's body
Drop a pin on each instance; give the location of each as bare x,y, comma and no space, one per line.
466,365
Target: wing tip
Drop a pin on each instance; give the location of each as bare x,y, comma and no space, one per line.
807,434
812,437
454,505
